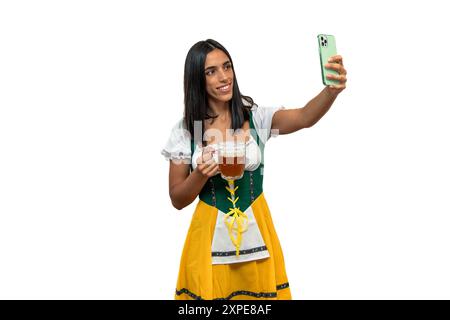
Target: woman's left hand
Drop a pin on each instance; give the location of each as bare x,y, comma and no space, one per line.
336,63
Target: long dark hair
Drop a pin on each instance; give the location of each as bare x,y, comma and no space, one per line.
195,95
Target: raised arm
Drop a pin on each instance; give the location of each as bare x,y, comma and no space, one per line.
291,120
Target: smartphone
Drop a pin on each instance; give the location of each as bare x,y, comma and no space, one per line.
327,48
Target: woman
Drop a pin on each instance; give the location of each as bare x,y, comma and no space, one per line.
231,250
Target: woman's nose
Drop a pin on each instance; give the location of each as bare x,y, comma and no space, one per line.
223,75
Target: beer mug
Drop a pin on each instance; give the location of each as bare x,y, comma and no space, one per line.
231,159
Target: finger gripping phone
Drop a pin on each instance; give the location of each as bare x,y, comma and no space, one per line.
327,49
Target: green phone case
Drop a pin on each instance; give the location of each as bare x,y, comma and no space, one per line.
327,48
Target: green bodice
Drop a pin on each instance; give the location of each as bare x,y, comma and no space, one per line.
250,186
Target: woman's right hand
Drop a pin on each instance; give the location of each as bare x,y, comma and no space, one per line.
206,165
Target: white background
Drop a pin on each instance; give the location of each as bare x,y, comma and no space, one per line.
89,91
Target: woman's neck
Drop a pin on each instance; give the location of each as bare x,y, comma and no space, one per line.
221,109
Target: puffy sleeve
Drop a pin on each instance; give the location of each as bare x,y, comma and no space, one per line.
262,118
178,146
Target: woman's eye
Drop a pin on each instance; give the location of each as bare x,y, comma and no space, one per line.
211,72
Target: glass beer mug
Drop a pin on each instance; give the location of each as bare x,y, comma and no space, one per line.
231,159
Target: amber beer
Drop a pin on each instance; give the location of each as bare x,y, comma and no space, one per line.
231,160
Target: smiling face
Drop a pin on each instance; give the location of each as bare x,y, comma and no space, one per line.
219,76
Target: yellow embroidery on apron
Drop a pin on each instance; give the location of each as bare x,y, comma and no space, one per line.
235,219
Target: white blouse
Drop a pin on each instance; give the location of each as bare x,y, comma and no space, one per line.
178,146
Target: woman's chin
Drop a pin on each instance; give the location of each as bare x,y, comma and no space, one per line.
224,98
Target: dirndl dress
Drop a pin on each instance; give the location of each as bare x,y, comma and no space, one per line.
232,250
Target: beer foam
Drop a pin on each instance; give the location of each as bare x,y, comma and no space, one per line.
232,149
232,153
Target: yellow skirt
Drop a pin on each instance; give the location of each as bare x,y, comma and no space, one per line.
259,279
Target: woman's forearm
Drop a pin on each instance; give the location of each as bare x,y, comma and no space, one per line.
184,193
318,106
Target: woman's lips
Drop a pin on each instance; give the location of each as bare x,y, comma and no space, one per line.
225,88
